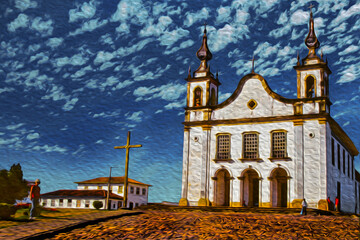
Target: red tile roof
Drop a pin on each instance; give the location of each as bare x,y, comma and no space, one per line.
104,180
81,193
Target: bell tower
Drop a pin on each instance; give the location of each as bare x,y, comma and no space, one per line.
313,72
202,87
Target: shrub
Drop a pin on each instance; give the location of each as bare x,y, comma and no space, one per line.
6,210
98,204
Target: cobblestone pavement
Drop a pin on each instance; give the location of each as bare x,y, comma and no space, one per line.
219,225
39,229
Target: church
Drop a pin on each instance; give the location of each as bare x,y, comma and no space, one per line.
260,149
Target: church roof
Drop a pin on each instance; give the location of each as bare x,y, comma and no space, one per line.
114,180
81,193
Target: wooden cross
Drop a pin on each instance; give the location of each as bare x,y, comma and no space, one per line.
253,63
311,6
127,147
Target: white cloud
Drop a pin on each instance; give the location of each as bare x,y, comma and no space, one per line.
54,42
345,14
6,89
159,8
40,58
103,57
168,92
125,51
89,26
70,104
299,17
47,148
22,5
183,45
279,32
82,72
223,14
85,11
350,49
30,79
150,75
135,116
107,114
21,21
106,39
133,10
32,136
193,17
123,28
14,126
123,84
76,60
223,97
241,16
351,73
169,38
99,141
41,26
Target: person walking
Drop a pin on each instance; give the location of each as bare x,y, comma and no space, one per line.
337,202
329,204
304,206
34,197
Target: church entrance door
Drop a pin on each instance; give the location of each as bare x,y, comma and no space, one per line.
222,188
251,188
279,190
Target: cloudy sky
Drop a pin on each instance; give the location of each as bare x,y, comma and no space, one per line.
75,76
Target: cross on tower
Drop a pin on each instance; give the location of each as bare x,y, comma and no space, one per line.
127,147
311,6
253,63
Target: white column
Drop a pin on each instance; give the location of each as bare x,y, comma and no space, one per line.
299,159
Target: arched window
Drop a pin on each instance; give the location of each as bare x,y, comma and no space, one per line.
213,97
310,86
197,97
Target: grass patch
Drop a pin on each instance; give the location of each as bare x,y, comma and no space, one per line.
47,214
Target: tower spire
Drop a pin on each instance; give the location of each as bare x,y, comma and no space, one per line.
204,54
311,40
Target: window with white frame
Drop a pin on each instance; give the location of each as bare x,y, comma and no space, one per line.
223,146
52,203
143,191
87,203
132,190
61,202
69,203
137,191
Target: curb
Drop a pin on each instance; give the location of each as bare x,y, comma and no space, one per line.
67,228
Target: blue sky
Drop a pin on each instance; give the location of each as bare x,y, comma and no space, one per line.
75,76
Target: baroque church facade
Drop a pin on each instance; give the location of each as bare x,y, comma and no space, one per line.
260,149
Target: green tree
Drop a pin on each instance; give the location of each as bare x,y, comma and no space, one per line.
12,185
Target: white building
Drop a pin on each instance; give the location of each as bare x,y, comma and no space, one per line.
258,148
91,190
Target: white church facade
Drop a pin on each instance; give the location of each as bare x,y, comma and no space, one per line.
258,148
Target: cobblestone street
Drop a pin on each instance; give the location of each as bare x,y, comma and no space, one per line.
219,225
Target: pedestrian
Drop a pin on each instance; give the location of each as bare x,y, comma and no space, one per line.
34,197
337,203
329,203
304,206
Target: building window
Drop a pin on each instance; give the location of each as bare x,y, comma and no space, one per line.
99,187
120,189
338,155
332,152
278,144
310,83
61,202
132,190
52,203
69,203
136,204
250,145
44,202
197,97
86,187
78,203
143,191
223,146
137,191
87,203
